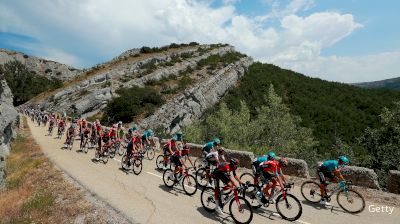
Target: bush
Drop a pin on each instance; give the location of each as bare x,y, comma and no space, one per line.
24,84
131,103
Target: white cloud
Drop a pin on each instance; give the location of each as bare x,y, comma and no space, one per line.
73,30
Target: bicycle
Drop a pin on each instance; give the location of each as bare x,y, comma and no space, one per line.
283,200
134,160
160,162
60,132
50,133
187,180
149,151
234,199
103,153
204,175
70,142
84,144
311,192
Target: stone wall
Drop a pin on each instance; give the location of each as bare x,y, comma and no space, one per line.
394,181
296,167
361,176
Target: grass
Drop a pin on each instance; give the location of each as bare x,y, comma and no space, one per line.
35,192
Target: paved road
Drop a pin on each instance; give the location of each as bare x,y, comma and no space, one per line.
145,199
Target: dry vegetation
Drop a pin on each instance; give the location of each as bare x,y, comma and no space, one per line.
36,192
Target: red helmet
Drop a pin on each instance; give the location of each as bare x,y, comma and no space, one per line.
234,162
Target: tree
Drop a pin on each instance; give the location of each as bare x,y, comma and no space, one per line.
383,143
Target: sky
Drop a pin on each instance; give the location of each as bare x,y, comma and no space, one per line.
337,40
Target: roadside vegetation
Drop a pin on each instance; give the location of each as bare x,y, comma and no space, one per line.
328,118
24,84
36,192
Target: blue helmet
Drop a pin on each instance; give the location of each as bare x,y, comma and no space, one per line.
174,138
344,160
217,141
271,156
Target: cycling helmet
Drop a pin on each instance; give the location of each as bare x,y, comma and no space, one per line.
135,127
179,133
234,162
119,123
283,161
221,149
114,126
150,131
344,160
174,138
217,141
271,155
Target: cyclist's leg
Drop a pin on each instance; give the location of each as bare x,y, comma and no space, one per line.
322,180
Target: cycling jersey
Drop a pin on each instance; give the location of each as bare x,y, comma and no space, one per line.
330,165
167,146
208,146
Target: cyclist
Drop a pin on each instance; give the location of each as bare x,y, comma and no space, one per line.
121,132
256,164
331,169
51,125
100,137
168,149
146,137
176,159
70,133
213,159
133,131
271,170
222,172
86,132
211,146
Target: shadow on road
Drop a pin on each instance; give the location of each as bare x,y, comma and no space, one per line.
173,190
214,216
334,209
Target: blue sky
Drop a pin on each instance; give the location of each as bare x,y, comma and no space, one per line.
345,41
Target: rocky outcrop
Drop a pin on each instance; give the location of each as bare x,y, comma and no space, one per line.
40,66
361,176
194,101
7,115
393,184
92,94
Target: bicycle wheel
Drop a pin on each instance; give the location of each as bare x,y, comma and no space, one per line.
189,184
112,150
201,177
290,208
137,166
105,156
150,153
247,178
311,191
85,147
120,149
351,201
241,210
198,163
160,162
124,165
207,199
169,178
250,195
71,143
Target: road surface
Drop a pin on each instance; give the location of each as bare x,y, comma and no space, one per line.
145,199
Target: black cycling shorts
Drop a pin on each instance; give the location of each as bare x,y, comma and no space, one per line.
224,177
323,174
176,161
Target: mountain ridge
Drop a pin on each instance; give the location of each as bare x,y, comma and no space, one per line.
392,83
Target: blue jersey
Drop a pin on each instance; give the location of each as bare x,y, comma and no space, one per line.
208,146
261,159
147,135
331,164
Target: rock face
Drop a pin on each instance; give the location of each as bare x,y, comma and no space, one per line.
47,68
361,176
7,115
194,101
394,181
91,95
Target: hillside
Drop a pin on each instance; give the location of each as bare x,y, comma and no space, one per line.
40,66
169,85
393,84
336,113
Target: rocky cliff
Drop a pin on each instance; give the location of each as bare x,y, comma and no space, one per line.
7,115
90,92
40,66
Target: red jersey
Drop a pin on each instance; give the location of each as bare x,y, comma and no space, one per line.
271,166
171,144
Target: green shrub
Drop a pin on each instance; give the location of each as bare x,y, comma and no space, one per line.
24,84
131,103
